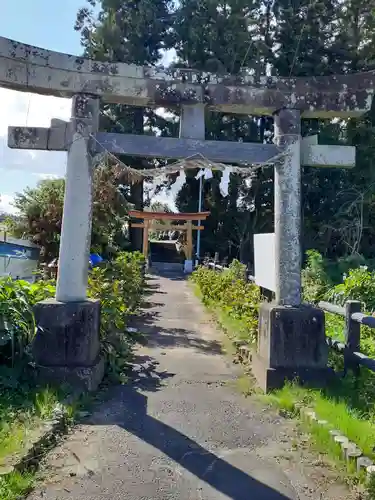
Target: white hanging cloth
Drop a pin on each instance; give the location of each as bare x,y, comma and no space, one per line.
199,174
248,182
224,182
208,174
180,181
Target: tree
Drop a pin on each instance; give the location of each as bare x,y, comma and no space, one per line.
41,211
284,38
226,37
134,32
278,37
41,216
332,37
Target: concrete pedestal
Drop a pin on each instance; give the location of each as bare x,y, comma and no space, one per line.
291,345
66,347
188,267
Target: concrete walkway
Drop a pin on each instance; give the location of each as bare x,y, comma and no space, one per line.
181,430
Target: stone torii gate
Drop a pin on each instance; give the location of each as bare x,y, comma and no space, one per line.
286,323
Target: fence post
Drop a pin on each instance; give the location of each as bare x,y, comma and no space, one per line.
216,258
267,294
352,335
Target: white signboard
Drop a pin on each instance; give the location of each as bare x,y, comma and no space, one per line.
264,260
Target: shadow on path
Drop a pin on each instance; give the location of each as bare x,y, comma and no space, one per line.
205,465
131,413
180,337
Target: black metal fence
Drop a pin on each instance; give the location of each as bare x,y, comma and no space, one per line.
354,318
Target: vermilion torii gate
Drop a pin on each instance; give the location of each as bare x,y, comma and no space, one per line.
31,69
150,222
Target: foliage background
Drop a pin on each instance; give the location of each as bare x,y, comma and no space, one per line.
278,37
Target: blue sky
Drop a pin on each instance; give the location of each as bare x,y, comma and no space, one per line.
46,24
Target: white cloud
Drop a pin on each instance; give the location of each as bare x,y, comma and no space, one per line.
43,177
6,204
34,110
23,109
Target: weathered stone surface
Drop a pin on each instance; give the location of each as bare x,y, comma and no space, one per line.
59,136
291,344
39,138
32,69
145,146
79,378
67,334
288,208
292,336
77,215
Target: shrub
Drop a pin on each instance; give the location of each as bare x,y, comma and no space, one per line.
230,292
359,284
119,286
315,278
17,323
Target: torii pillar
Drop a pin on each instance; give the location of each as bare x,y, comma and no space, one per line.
67,344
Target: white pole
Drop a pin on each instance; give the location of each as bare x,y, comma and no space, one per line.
199,210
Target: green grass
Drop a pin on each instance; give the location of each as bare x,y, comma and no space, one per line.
328,406
15,486
234,328
23,410
21,415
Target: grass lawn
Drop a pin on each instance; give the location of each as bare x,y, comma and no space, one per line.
22,414
348,404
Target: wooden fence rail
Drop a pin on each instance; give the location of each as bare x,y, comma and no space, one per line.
354,318
351,346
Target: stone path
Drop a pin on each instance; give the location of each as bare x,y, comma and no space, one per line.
181,430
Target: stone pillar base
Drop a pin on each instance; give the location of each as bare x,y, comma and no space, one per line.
291,344
188,267
79,379
66,348
269,379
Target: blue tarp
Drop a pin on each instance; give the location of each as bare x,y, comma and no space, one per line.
95,259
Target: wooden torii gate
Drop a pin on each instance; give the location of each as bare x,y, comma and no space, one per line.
150,221
291,338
